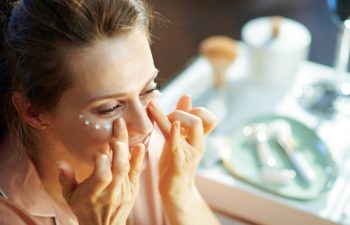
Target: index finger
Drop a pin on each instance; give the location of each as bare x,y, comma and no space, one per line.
184,103
120,131
160,118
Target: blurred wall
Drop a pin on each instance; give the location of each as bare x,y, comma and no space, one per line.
187,22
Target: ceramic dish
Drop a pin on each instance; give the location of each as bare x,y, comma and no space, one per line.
241,160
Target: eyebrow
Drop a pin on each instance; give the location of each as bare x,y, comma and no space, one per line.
123,94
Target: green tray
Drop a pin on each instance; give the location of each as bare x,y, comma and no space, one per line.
241,160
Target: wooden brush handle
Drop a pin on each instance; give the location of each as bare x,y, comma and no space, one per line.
220,51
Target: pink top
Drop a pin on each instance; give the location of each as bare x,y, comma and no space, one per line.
24,201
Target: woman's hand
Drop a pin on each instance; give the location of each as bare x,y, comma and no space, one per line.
108,195
184,131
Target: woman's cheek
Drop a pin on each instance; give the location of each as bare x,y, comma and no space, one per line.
85,136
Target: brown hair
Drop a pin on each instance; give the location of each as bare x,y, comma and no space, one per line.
31,59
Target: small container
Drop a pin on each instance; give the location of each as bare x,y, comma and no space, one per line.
276,48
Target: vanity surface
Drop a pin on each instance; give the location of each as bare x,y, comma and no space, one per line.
248,99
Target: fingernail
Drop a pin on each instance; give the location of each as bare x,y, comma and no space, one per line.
121,123
138,147
154,105
59,166
189,96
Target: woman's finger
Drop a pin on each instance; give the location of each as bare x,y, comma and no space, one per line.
184,103
160,118
120,166
67,179
176,145
120,159
136,163
209,120
120,131
192,123
100,178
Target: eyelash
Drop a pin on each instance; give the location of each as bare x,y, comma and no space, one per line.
108,111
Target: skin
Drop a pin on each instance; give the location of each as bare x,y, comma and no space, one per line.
184,131
97,180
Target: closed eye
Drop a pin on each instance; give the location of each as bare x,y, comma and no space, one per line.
114,108
107,111
150,91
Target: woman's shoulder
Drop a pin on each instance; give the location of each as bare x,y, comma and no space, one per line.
11,214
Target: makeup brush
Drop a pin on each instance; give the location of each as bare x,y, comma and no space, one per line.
276,26
276,23
282,132
220,51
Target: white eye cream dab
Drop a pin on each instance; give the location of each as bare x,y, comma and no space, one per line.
96,124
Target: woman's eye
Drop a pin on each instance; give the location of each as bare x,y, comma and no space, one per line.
150,91
110,110
156,88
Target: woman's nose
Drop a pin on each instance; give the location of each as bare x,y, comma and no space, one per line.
137,120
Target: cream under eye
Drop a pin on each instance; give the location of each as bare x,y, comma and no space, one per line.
102,125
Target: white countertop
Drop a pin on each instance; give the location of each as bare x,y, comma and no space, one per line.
232,196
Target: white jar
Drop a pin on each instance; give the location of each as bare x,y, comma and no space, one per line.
273,60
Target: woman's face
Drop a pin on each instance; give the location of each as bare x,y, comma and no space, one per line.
113,78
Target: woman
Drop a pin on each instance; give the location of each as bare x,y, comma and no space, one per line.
79,120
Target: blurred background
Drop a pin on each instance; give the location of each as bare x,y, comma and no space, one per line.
181,27
184,23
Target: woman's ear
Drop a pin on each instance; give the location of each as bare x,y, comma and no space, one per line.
28,113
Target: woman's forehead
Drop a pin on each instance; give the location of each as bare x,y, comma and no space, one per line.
123,63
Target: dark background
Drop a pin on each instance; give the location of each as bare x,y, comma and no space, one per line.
184,23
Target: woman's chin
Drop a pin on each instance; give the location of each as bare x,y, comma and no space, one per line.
145,142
